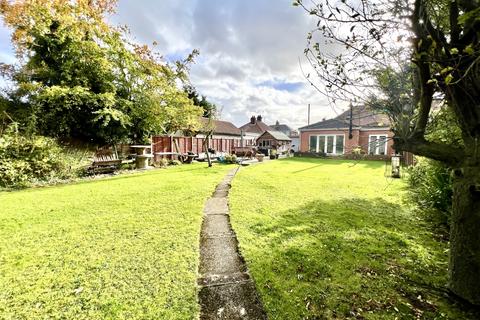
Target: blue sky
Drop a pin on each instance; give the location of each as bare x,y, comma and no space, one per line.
282,85
249,53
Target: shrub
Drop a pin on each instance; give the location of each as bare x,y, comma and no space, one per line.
358,150
26,160
430,187
174,162
162,163
309,154
230,158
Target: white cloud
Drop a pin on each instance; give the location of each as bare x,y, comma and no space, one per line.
242,44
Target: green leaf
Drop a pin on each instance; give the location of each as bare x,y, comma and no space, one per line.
469,50
448,79
446,70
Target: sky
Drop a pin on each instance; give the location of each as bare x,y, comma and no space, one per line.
250,51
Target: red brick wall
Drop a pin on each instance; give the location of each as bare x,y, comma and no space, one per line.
364,136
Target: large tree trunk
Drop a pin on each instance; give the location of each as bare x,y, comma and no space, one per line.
465,235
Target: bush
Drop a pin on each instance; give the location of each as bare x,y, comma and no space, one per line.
430,187
174,162
230,158
162,163
26,160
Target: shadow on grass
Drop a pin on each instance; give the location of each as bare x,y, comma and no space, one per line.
306,169
342,258
134,174
372,164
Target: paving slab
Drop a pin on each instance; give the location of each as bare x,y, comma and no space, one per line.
216,225
227,290
222,190
216,205
220,193
232,302
219,256
223,279
224,185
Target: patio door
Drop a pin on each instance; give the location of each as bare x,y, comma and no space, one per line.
330,144
321,144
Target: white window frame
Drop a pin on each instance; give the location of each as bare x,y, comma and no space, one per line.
326,142
377,146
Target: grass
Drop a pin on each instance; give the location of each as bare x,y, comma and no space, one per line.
118,248
325,239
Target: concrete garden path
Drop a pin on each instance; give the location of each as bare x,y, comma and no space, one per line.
226,288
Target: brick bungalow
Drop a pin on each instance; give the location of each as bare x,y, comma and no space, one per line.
371,135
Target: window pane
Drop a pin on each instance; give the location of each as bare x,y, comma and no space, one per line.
321,144
382,145
313,144
329,144
339,145
372,144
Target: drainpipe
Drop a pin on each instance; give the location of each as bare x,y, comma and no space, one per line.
350,133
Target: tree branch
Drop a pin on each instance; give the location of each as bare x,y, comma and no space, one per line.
452,155
421,46
454,30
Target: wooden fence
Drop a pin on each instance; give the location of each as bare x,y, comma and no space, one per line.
167,144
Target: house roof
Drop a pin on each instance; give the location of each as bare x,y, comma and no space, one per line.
362,117
277,135
280,127
327,124
257,127
221,127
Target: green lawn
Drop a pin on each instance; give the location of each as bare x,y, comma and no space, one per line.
327,239
118,248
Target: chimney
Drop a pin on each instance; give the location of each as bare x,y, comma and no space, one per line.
277,123
252,120
259,118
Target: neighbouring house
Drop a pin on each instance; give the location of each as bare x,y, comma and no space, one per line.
221,129
295,140
271,139
225,137
289,132
254,129
371,134
282,128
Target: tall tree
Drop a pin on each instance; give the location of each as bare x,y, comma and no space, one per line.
82,78
443,38
209,109
210,112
